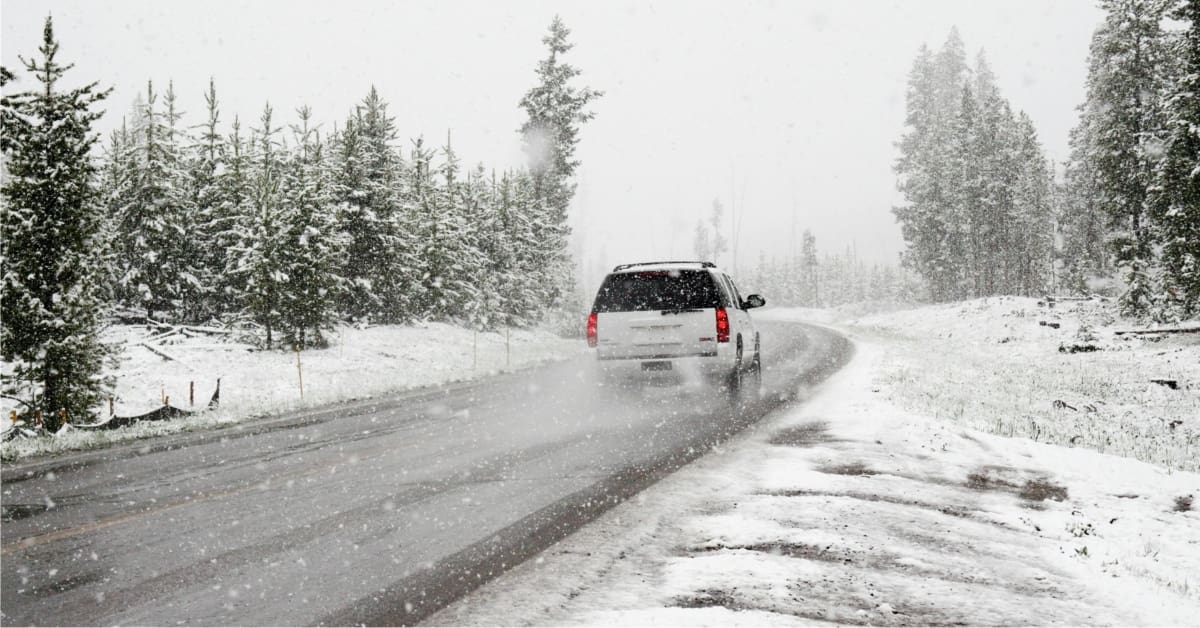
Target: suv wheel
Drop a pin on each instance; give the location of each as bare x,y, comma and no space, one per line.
753,381
735,381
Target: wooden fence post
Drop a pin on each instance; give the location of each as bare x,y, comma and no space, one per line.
299,372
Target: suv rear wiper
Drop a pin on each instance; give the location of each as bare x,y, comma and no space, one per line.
683,311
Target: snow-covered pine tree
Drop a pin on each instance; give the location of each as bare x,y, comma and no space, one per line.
555,111
1176,194
925,165
951,226
484,239
311,253
215,219
440,230
527,294
512,264
995,216
550,135
235,189
193,290
380,265
118,166
963,220
51,219
548,261
1030,246
156,265
461,277
263,232
1125,73
1082,223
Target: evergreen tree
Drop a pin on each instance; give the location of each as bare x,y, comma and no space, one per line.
925,166
235,189
1124,75
263,233
188,249
1082,222
215,215
483,237
312,248
52,221
555,112
550,136
963,218
535,279
1176,194
117,174
375,216
157,271
1031,243
442,229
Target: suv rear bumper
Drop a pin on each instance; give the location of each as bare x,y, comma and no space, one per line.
664,356
658,368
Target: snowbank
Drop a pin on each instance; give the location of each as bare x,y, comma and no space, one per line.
360,363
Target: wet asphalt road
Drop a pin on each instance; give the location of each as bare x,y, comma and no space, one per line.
377,512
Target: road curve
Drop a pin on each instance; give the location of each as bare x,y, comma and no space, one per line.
377,512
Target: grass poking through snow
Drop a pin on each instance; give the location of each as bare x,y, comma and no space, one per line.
1005,365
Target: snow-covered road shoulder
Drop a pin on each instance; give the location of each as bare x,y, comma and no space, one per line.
850,510
360,363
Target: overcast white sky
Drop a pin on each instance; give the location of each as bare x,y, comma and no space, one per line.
789,108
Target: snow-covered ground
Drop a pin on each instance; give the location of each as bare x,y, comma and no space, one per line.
876,505
993,365
360,363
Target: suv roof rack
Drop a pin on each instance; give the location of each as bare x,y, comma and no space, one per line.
621,267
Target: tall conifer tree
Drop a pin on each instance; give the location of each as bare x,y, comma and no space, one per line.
51,218
1176,197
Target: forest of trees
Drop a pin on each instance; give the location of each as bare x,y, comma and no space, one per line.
978,216
809,279
277,223
984,213
1131,192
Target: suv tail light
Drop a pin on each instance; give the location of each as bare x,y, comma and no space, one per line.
722,325
593,336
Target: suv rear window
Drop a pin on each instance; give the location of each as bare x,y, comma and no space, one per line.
657,290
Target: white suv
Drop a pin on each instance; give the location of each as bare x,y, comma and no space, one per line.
681,317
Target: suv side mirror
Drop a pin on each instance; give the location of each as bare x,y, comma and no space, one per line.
753,301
